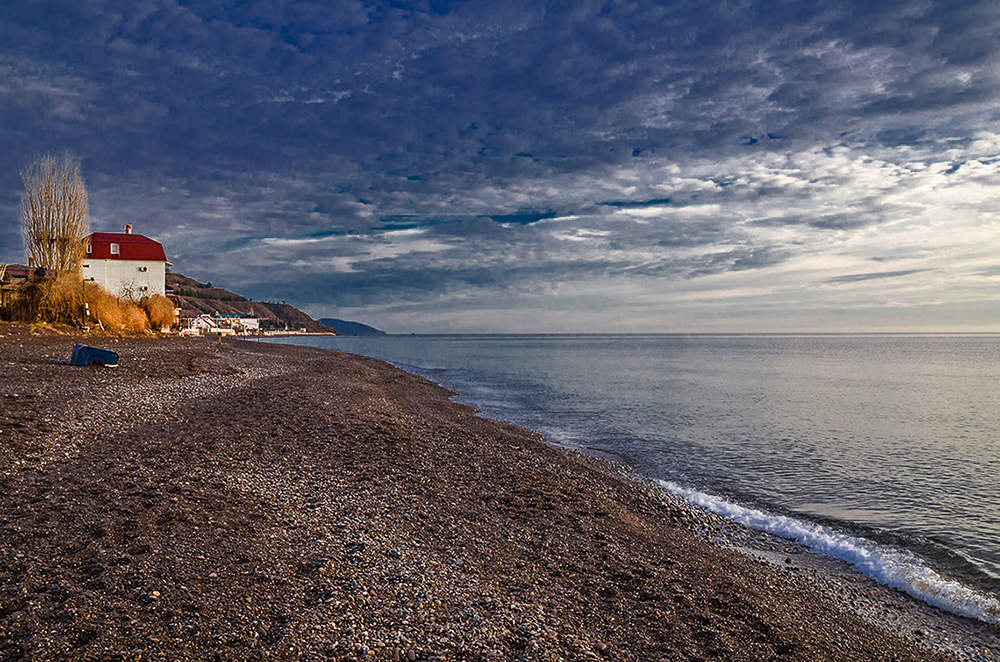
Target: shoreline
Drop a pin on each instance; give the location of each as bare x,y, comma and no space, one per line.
938,628
895,565
271,501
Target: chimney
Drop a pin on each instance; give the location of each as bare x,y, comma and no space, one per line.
128,228
31,260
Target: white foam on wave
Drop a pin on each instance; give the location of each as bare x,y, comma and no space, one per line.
896,568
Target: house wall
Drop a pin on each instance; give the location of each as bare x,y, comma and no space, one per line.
123,276
203,322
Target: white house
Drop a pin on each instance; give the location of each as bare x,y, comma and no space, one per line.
205,324
127,265
241,323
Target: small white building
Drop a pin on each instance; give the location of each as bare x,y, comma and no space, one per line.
127,265
241,323
204,325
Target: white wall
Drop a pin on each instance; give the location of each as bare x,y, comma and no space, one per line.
122,277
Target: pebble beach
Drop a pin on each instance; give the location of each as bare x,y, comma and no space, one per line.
243,500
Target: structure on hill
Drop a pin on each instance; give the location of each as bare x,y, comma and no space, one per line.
131,266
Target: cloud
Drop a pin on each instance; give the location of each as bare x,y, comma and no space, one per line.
533,149
635,204
856,278
524,217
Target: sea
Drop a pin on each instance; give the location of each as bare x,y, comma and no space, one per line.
882,451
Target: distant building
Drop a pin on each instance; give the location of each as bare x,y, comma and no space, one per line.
15,277
240,322
127,265
204,324
201,324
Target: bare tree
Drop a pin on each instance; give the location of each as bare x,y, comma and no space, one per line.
54,213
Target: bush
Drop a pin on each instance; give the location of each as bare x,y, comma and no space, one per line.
24,307
135,317
57,300
160,311
104,307
62,299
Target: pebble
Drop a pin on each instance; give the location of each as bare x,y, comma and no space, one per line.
350,523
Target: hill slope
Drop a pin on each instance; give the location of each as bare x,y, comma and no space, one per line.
346,328
194,298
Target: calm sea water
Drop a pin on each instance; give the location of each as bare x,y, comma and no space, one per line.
883,451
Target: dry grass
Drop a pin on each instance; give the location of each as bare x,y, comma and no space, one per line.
104,307
114,314
160,311
62,299
65,298
135,317
25,306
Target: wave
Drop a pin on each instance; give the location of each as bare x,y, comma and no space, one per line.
896,568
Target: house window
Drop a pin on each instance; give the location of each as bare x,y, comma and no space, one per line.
144,269
90,249
144,288
114,249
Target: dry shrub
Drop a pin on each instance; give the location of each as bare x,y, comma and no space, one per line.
104,307
61,299
160,311
135,317
27,304
114,314
57,300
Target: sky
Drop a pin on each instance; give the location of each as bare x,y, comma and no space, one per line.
581,166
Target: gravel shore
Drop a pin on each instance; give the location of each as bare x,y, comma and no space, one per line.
254,501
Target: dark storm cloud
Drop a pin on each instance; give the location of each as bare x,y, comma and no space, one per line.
517,142
11,244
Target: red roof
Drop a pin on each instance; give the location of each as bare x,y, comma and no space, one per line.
130,247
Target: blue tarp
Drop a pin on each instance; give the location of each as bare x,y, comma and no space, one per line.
86,355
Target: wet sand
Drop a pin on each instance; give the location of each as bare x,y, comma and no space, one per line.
253,501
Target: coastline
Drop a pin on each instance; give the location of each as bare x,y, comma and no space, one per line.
264,500
289,334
